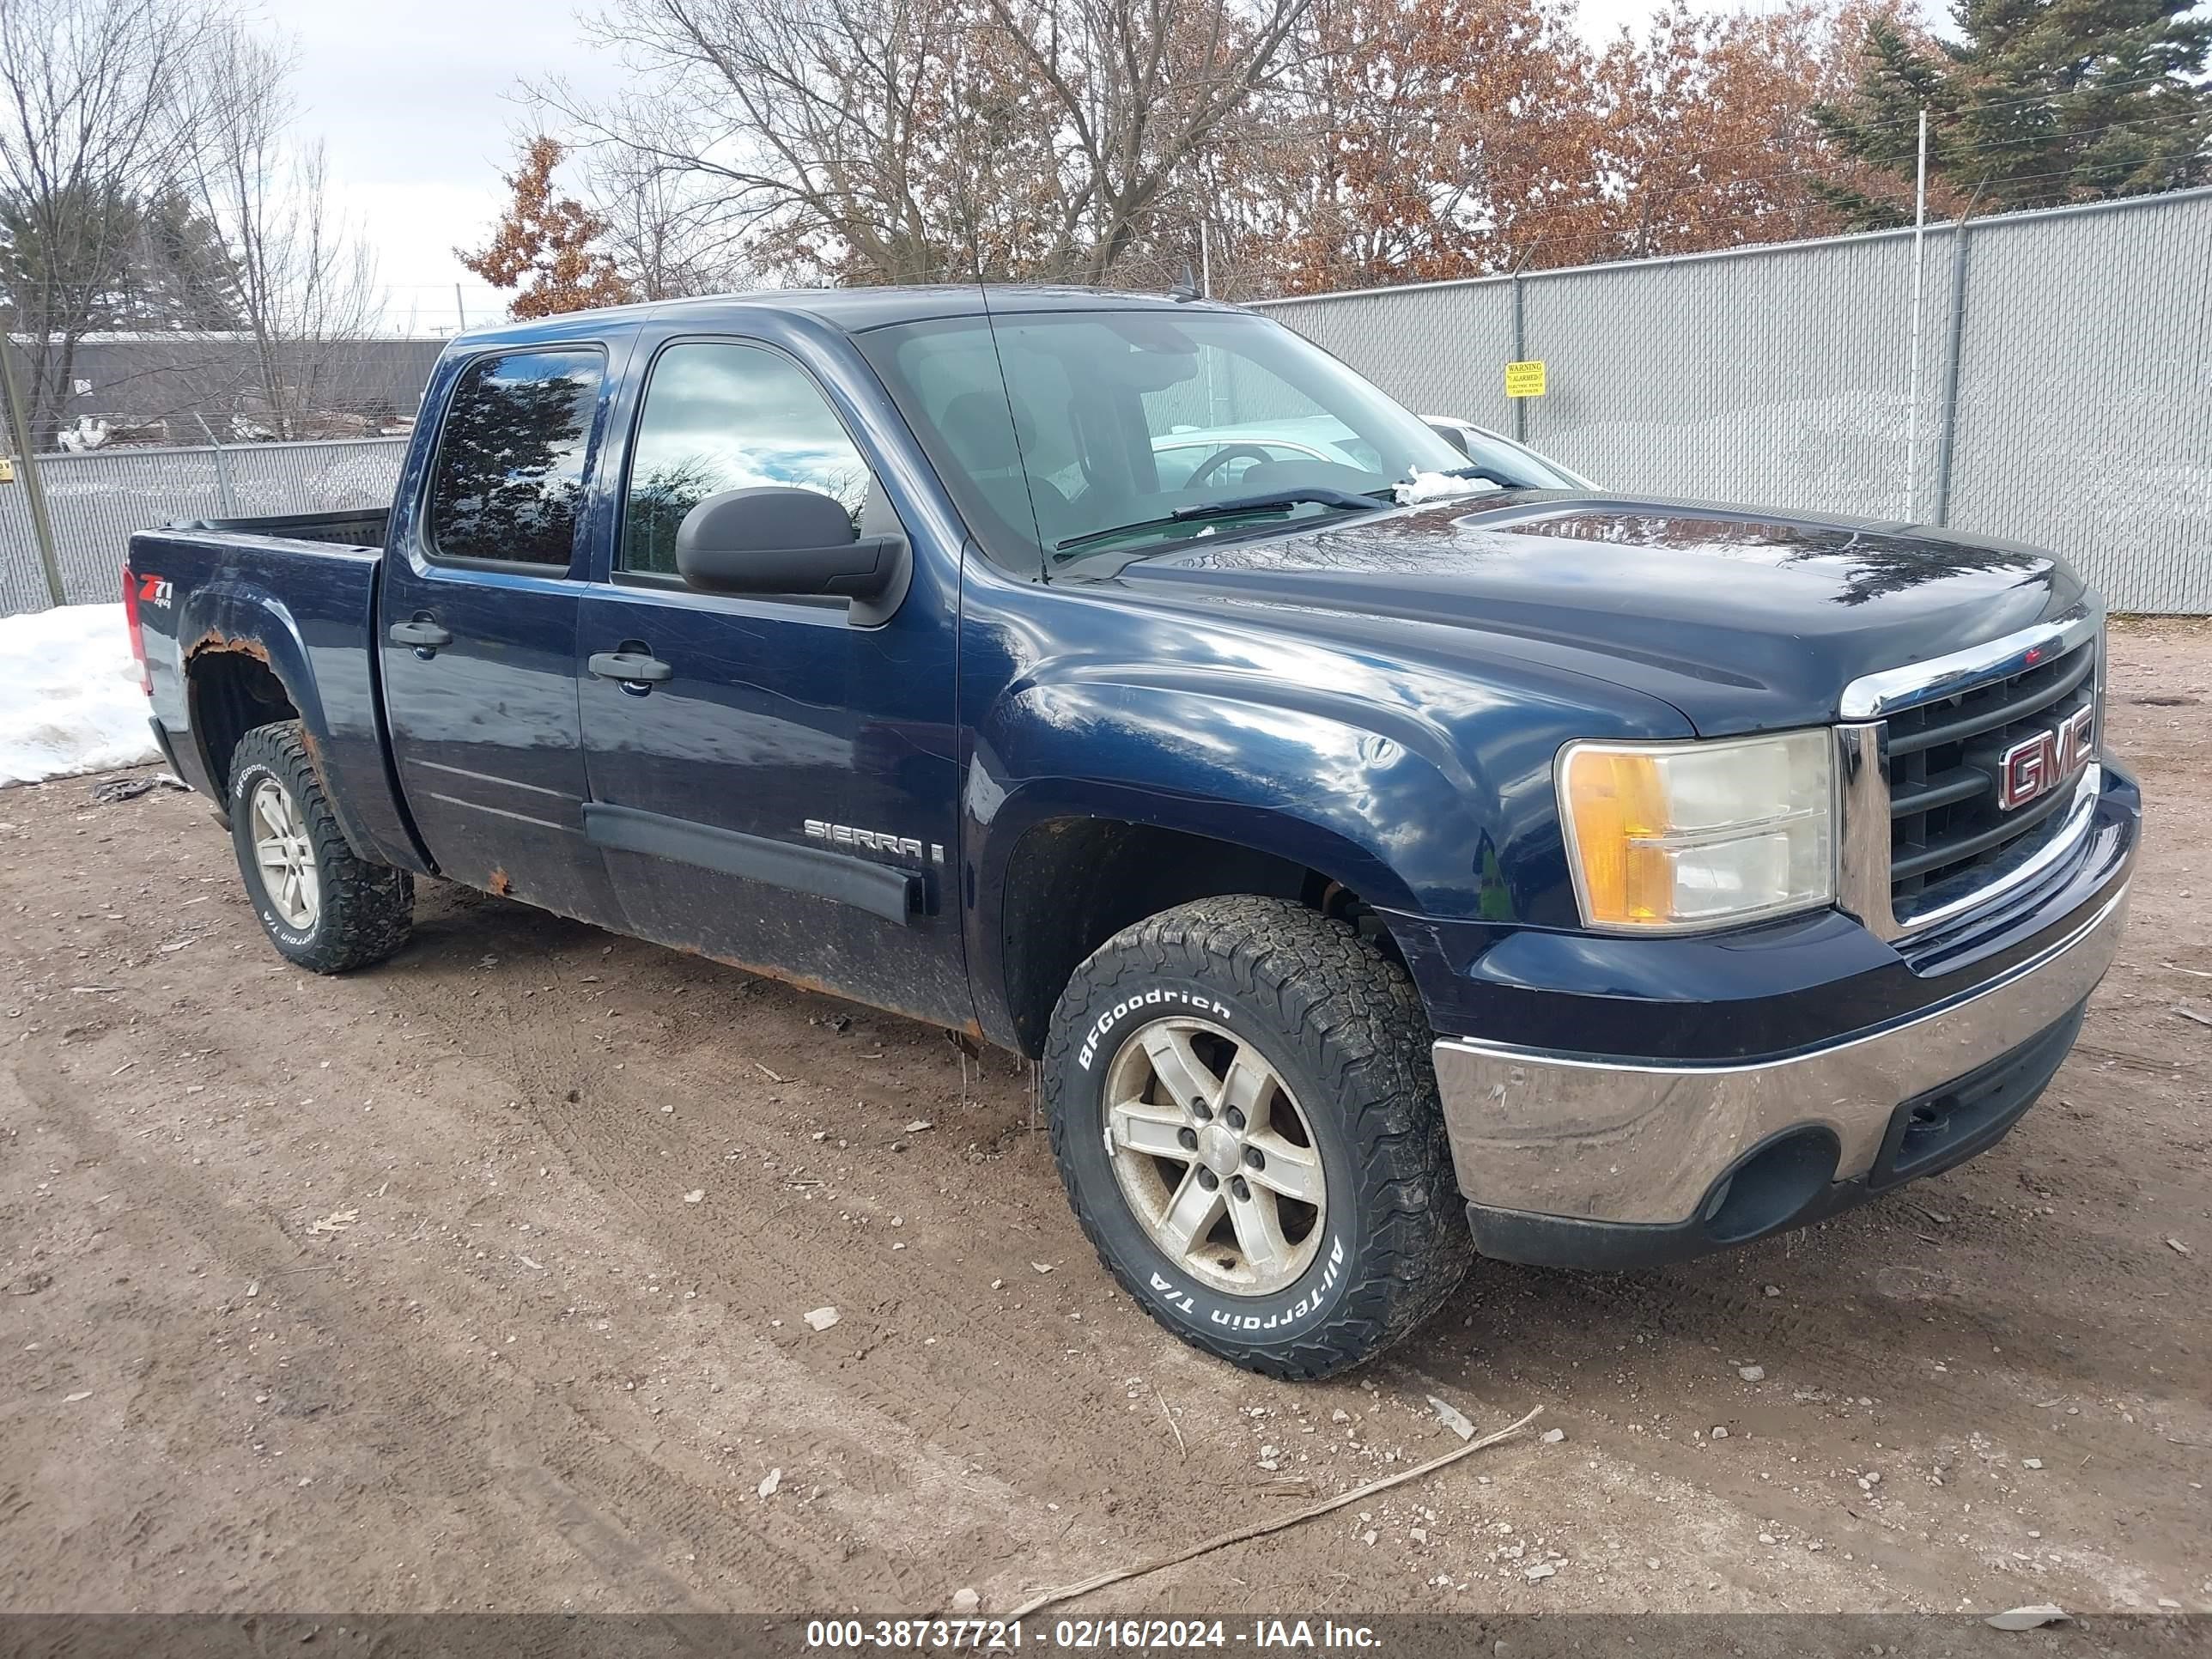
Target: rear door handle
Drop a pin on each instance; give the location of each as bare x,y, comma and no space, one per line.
423,635
631,667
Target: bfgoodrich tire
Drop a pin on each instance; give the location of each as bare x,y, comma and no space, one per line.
1246,1120
322,905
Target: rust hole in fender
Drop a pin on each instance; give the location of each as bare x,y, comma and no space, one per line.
497,884
214,640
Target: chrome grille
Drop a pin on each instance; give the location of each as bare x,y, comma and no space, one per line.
1942,764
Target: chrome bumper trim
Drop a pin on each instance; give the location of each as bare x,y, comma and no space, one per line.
1605,1140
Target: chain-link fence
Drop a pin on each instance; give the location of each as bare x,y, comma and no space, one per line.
2065,379
2065,395
97,499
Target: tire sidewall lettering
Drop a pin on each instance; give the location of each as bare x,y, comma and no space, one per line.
1199,1304
242,790
1156,1000
1289,1313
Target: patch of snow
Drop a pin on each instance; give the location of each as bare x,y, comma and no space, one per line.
1439,487
70,699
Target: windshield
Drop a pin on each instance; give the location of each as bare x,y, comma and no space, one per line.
1074,433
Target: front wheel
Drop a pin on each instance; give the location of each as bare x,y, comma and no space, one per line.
322,904
1245,1117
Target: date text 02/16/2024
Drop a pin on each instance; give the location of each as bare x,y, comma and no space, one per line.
1084,1635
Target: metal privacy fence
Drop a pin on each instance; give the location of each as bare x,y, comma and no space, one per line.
2065,383
97,499
2065,394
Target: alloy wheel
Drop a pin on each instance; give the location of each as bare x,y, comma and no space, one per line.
1217,1161
285,856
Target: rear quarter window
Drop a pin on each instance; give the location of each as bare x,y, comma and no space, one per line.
508,481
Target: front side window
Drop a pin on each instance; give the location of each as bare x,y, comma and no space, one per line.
509,485
720,416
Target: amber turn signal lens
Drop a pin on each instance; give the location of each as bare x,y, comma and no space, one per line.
1619,807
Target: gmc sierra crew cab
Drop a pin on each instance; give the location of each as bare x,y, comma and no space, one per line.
1393,848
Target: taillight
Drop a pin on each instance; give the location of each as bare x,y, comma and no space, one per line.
137,630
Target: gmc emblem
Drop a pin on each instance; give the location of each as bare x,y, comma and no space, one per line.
2035,766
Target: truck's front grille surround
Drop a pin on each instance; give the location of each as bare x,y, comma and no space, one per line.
1923,835
1938,760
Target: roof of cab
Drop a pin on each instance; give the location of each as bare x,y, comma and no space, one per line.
857,309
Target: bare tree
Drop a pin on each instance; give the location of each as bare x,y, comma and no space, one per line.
659,232
303,286
1139,91
907,140
811,135
89,92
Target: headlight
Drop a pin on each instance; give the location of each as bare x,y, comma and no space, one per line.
1676,837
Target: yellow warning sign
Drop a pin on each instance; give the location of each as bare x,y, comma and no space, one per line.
1525,380
7,469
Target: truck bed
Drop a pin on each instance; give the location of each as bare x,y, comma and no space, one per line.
225,604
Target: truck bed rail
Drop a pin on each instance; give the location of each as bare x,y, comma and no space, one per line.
357,526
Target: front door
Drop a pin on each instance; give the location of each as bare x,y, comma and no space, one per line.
479,618
772,782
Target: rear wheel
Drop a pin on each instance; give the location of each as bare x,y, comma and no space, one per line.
1246,1121
322,905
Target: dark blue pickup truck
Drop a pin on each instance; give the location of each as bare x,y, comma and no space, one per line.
1393,848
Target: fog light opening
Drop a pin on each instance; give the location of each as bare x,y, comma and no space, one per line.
1769,1187
1719,1196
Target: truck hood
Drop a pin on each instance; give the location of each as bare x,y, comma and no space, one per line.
1744,620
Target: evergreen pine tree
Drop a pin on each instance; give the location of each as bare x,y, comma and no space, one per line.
180,275
2037,103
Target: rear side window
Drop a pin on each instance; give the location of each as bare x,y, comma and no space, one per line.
510,483
720,416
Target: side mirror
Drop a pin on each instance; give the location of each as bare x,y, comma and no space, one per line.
771,539
1452,435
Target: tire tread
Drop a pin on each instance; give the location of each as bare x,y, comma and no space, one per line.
368,909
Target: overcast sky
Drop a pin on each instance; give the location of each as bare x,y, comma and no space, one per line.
416,102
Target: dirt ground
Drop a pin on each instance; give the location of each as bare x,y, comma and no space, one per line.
478,1281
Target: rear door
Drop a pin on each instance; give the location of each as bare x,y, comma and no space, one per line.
782,794
479,615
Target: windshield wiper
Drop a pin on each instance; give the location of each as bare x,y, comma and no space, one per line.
1273,500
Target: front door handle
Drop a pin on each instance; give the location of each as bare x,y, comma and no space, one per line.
630,667
424,635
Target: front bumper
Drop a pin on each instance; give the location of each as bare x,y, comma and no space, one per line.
1593,1160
